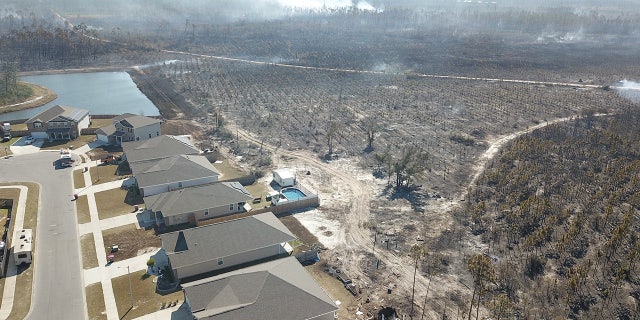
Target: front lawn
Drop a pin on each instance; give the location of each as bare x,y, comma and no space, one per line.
130,241
78,179
88,250
105,173
68,144
145,298
82,208
115,202
95,302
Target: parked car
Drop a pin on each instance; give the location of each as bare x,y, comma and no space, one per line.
29,140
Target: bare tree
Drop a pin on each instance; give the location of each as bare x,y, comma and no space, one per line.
417,252
371,127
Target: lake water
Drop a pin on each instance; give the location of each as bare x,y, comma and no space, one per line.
98,92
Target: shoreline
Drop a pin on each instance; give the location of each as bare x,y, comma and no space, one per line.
74,70
40,96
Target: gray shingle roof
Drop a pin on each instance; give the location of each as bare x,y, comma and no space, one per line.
224,239
171,169
68,113
107,130
278,289
155,148
197,198
122,117
136,121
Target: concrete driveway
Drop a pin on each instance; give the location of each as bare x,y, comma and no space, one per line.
20,146
58,291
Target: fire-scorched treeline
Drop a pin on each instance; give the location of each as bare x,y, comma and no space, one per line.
559,211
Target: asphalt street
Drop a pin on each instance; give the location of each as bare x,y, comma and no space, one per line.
57,291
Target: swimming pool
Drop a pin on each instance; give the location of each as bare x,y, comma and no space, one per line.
293,194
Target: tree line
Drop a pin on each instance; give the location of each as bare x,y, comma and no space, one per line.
558,211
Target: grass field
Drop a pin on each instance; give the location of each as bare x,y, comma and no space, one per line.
82,208
130,240
78,179
104,173
95,302
145,298
88,250
64,144
115,202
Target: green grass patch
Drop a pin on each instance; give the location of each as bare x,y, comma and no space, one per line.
22,92
115,202
95,302
88,250
78,179
82,209
145,298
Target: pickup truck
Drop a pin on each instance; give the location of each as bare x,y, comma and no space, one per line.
66,160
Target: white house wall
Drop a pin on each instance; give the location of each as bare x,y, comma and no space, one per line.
84,123
230,261
147,132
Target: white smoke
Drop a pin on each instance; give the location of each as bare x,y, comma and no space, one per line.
326,4
629,89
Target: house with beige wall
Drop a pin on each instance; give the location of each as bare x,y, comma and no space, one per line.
129,127
198,203
59,123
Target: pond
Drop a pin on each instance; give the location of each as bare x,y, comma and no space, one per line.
98,92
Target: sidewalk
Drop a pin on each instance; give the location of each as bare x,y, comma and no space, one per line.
12,270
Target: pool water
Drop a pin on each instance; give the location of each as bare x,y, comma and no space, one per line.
293,194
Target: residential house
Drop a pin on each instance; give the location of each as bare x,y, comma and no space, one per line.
171,173
155,148
129,127
218,246
278,289
198,203
59,123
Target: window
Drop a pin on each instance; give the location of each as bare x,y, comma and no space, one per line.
37,124
220,261
24,255
149,135
157,133
231,206
179,184
206,212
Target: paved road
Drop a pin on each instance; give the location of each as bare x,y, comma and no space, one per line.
58,290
